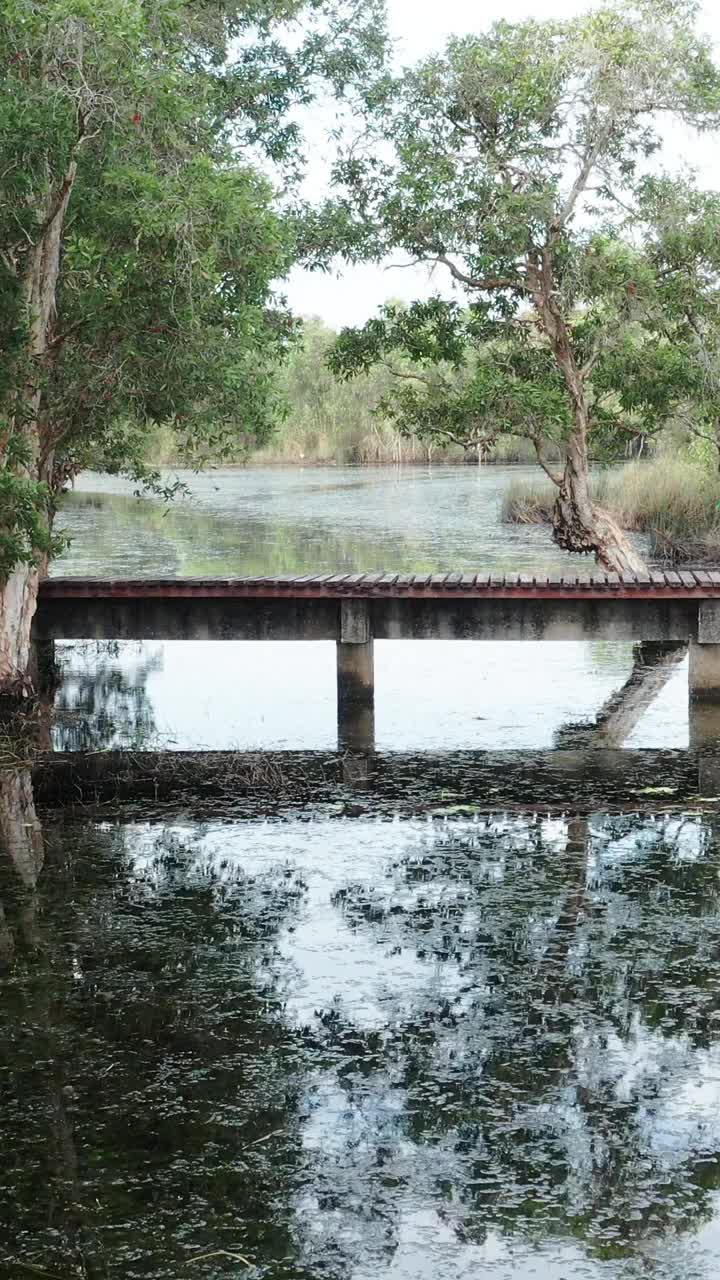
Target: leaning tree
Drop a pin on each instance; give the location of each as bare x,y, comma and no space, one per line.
520,162
140,236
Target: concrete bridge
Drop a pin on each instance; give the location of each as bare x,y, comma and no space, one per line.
356,609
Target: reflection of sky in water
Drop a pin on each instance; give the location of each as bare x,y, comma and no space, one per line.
321,947
355,947
429,694
667,1084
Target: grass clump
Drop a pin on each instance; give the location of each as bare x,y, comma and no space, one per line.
673,501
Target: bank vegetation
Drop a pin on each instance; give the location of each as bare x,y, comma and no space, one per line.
673,501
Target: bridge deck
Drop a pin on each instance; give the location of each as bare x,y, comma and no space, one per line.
695,585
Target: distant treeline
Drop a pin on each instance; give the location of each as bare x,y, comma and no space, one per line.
323,420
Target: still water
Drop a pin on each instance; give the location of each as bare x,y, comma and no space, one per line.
289,520
353,1048
354,1041
432,695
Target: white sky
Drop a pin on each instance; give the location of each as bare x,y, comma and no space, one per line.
420,28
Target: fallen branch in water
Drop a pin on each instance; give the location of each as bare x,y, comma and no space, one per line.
222,1253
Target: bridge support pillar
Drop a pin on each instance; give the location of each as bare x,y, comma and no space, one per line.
43,668
355,677
704,677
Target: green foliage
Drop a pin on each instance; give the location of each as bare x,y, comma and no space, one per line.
26,508
520,162
456,384
327,420
139,239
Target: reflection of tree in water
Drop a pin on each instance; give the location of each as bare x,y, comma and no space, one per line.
117,534
149,1082
544,1094
21,861
158,1106
102,701
654,665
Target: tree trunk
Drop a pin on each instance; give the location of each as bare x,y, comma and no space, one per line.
18,601
21,859
19,591
653,666
579,525
21,839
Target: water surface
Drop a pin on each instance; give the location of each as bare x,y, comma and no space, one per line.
357,1048
290,520
420,1036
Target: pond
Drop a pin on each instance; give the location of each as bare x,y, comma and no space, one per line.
446,1012
355,1047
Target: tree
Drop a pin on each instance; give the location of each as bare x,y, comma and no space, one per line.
327,417
509,1080
139,237
518,163
683,244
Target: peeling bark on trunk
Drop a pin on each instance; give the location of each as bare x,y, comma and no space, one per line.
18,601
20,831
18,592
22,856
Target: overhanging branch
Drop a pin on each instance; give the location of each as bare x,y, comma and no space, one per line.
438,385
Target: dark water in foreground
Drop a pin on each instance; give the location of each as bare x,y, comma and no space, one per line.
440,1047
443,1015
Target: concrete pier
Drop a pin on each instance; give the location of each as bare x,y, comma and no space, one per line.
704,677
705,654
704,695
704,725
355,677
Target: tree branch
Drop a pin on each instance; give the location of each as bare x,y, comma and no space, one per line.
439,385
454,438
703,435
490,284
60,338
640,433
59,201
552,475
592,151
